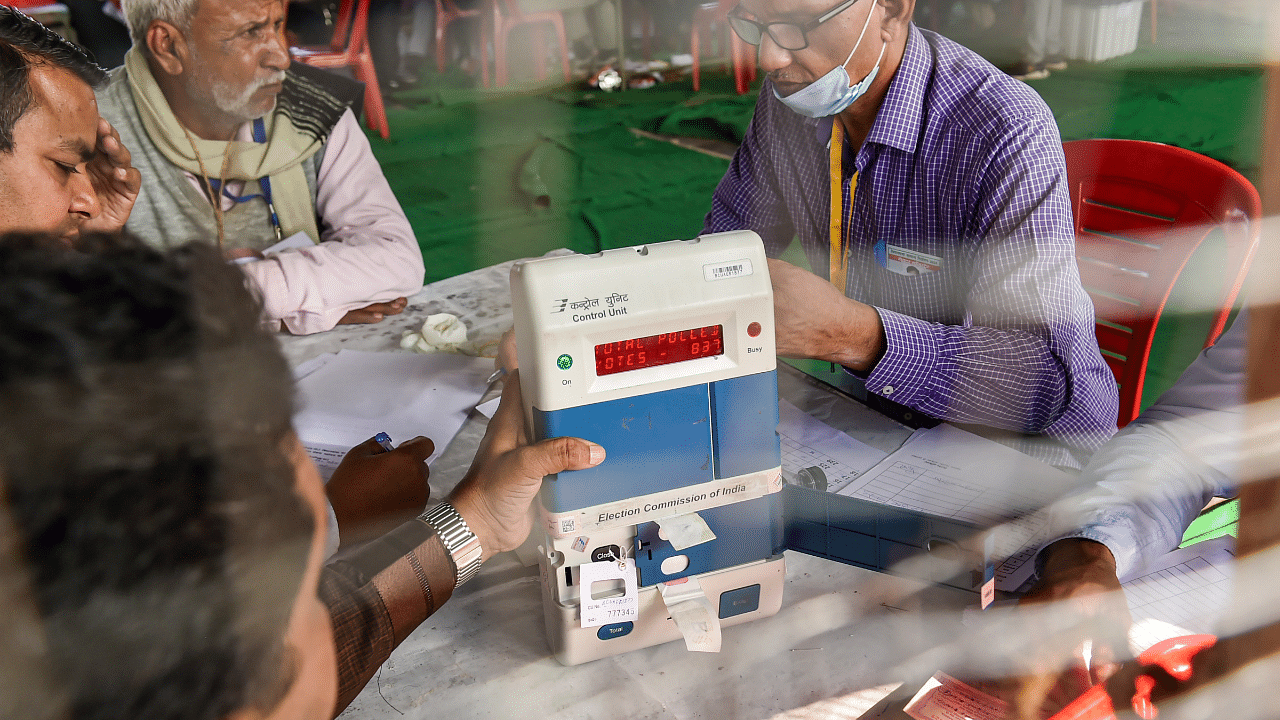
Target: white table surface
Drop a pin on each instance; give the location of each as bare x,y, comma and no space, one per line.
843,638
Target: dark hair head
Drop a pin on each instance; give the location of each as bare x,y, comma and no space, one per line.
24,44
142,421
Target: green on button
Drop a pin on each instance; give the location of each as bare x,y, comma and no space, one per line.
564,362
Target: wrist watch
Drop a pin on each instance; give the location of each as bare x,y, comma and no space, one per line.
462,545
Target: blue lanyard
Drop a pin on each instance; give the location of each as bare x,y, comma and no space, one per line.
259,136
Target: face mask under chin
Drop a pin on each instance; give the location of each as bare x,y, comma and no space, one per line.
833,92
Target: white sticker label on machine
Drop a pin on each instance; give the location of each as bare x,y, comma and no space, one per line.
685,531
727,270
608,590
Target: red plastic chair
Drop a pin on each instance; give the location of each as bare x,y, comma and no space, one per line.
1141,210
507,16
742,56
446,12
352,52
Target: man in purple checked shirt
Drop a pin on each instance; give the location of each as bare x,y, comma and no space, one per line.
953,282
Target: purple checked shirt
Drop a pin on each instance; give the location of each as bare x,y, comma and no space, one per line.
965,164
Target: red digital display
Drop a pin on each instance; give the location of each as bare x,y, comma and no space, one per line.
655,350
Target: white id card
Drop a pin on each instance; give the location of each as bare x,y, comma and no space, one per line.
602,578
910,262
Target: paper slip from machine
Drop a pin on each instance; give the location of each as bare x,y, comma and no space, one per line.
693,614
662,505
947,472
809,442
946,698
355,395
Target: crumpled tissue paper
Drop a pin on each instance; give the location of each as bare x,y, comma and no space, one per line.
441,332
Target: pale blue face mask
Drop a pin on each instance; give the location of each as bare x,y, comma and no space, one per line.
833,92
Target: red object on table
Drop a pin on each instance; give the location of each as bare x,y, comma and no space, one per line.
1173,656
1141,211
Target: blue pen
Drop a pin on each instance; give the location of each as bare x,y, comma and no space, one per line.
384,440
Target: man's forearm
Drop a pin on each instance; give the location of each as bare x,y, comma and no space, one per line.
1069,555
379,594
858,343
1003,378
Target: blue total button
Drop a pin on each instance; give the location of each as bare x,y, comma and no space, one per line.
616,630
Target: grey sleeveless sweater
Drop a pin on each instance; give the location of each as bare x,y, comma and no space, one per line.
169,210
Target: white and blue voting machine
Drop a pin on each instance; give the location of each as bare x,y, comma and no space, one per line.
664,355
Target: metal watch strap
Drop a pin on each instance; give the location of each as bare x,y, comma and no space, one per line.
462,544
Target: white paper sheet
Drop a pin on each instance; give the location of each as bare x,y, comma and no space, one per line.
1185,594
326,457
951,473
809,442
296,240
356,395
307,367
946,698
489,407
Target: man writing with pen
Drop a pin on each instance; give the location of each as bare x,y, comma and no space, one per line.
173,529
186,575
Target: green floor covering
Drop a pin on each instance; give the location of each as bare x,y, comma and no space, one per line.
486,176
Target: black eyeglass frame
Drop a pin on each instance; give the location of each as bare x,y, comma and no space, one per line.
761,28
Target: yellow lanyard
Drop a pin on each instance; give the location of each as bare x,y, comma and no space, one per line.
839,252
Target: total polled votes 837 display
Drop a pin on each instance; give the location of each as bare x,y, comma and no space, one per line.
664,355
660,349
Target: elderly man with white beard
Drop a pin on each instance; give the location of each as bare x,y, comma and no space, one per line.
237,148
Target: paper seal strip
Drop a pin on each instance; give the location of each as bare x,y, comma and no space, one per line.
665,504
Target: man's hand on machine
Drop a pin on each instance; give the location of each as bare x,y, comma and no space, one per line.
495,496
506,359
813,319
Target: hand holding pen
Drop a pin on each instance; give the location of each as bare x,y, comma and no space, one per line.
378,486
384,441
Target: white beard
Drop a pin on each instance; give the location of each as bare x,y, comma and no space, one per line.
234,101
235,104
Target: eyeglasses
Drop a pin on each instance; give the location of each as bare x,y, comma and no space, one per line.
788,36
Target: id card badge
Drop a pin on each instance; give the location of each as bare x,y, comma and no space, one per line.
905,261
595,579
